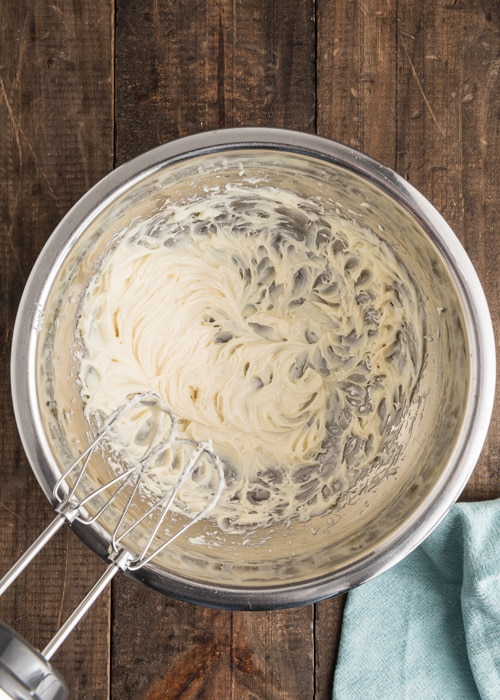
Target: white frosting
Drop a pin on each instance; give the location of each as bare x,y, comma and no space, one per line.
289,335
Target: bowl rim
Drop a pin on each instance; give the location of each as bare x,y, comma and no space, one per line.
482,358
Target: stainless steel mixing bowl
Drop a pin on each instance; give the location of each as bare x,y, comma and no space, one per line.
386,514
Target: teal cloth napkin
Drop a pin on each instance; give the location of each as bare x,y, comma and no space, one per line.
429,628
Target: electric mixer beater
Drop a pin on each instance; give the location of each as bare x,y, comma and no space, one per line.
25,673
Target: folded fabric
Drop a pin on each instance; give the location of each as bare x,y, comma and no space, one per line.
429,628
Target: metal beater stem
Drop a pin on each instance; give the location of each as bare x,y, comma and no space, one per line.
118,564
31,552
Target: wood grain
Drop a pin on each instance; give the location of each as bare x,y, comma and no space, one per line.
204,65
356,67
55,141
328,626
194,652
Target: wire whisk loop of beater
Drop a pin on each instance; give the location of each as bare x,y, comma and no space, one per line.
129,482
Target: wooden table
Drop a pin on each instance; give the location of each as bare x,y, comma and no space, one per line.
85,86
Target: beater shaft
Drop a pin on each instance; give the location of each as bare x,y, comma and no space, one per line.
31,553
119,563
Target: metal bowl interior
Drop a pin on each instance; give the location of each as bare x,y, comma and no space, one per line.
388,512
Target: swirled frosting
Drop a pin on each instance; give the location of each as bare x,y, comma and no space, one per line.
288,333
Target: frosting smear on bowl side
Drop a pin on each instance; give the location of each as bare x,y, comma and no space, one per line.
288,333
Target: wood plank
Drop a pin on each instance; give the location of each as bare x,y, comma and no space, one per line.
356,68
266,64
327,630
448,145
274,654
180,70
356,105
56,140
